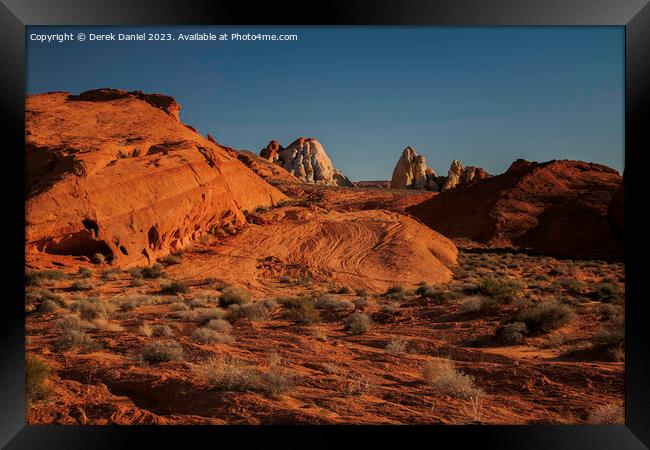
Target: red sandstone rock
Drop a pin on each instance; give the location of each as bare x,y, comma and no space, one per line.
117,173
558,208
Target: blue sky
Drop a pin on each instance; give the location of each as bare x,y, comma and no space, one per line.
483,95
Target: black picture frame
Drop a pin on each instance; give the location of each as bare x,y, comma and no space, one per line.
634,15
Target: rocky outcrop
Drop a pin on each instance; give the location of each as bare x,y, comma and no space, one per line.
558,208
117,173
306,159
411,172
459,175
271,172
615,212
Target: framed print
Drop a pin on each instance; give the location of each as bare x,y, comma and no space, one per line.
398,220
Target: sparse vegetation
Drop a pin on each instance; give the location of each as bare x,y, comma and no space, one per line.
545,317
500,289
98,258
330,302
36,373
162,351
299,309
73,338
234,295
511,333
358,323
206,335
219,325
251,311
396,346
175,287
172,259
444,378
228,374
37,278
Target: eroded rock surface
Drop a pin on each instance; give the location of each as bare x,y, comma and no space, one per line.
557,208
306,159
117,173
411,172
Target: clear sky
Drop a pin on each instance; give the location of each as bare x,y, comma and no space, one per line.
483,95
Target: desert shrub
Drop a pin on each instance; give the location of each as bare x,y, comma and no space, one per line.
219,325
35,297
81,285
162,330
234,295
180,307
251,311
277,381
93,308
608,293
110,274
396,292
395,346
36,278
361,302
299,309
145,330
175,287
152,272
356,385
204,315
270,304
607,414
545,317
67,322
198,302
389,307
344,290
500,289
511,333
471,304
172,259
285,279
609,311
612,338
161,351
444,378
105,325
228,374
85,272
570,284
36,373
358,323
98,258
361,292
330,302
206,335
48,306
73,338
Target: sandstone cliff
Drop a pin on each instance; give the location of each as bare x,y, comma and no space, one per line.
117,173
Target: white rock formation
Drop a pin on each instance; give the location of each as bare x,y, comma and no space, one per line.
453,176
411,172
306,159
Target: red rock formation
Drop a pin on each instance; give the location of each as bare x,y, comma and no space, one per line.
117,173
271,151
615,212
558,208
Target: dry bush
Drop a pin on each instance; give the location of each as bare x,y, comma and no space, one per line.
607,414
36,373
85,272
171,259
511,333
73,338
37,278
277,381
219,325
110,274
358,323
500,289
161,351
48,306
228,374
545,317
145,330
330,302
234,295
151,272
251,311
105,325
204,315
444,378
396,346
299,309
471,304
205,335
356,385
361,302
98,258
175,287
93,308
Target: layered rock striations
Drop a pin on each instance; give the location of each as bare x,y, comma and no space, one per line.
117,173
